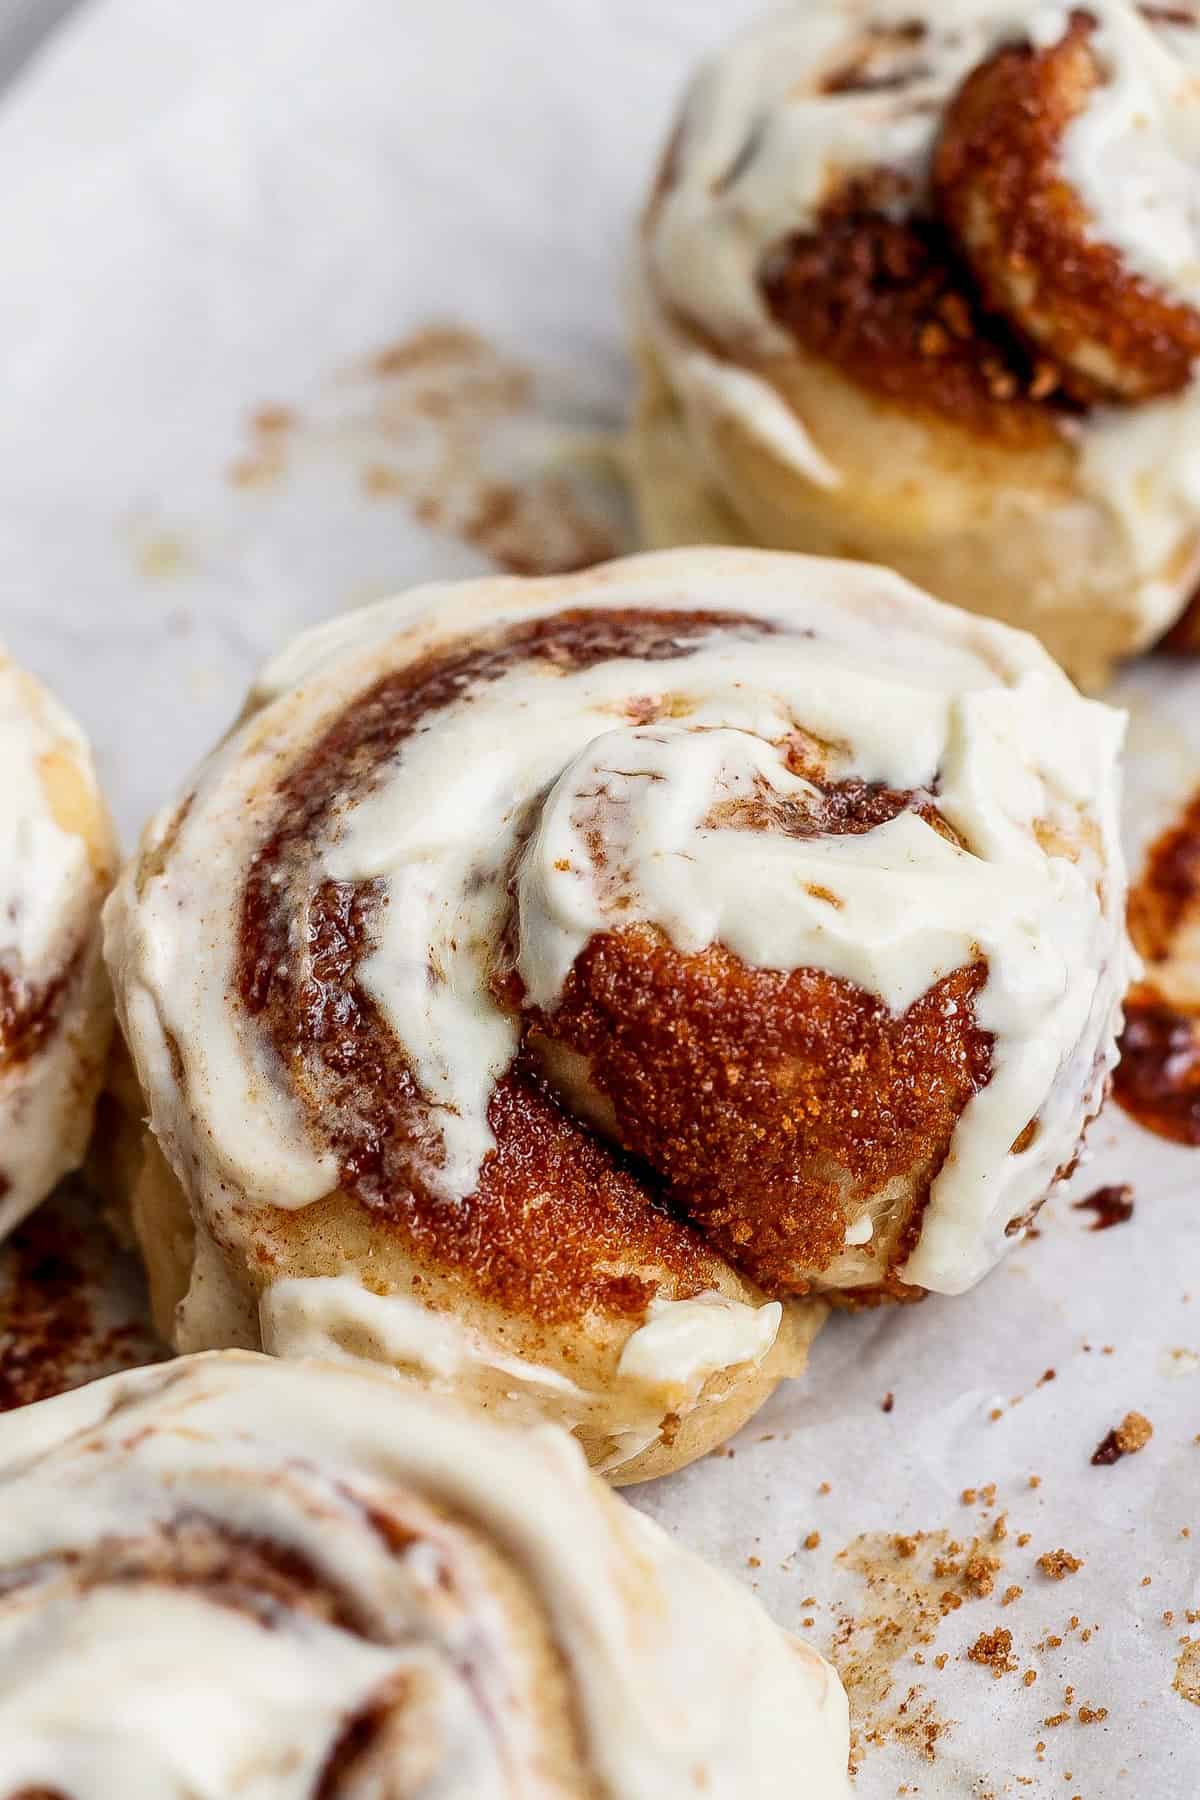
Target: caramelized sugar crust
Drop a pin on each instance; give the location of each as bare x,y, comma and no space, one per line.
773,1103
1027,236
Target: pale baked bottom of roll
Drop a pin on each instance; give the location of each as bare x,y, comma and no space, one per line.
920,287
57,862
231,1575
557,989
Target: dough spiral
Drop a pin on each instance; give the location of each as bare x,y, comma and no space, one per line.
549,984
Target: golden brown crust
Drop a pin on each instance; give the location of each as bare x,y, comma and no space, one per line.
1027,236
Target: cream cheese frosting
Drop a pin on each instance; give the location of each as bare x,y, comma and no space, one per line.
761,142
916,696
52,881
233,1578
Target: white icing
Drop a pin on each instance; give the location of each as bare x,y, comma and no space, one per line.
124,1684
50,896
335,1316
761,144
685,1341
913,693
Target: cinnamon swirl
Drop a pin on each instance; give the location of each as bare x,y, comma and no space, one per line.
923,285
236,1577
57,860
551,983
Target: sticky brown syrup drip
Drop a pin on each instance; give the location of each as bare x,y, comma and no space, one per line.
1157,1080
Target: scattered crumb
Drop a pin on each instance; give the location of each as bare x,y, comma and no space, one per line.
1126,1439
1187,1671
812,1541
1092,1715
1010,1594
993,1649
887,1403
1058,1564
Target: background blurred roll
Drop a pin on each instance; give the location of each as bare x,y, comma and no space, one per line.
550,984
922,285
57,861
230,1575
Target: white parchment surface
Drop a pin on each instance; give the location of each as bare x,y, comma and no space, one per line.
211,210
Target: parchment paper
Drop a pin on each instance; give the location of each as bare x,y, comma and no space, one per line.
217,219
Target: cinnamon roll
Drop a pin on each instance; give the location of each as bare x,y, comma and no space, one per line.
233,1576
57,860
922,285
551,984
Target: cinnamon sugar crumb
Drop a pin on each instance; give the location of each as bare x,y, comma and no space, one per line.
1092,1715
1056,1719
1058,1564
1029,1677
1126,1439
1010,1594
812,1541
993,1650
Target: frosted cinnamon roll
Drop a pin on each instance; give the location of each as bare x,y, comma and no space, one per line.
922,285
57,860
234,1576
551,983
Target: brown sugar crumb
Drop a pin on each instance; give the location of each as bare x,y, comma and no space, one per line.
1000,1528
824,1488
1029,1677
1092,1715
1187,1671
1168,1618
997,1412
1145,1581
1035,1481
993,1650
1126,1439
1023,1538
905,1546
1058,1564
969,1496
979,1573
1010,1594
753,1562
939,1662
812,1541
1056,1719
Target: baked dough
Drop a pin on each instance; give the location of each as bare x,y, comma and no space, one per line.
57,861
923,286
551,986
230,1575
